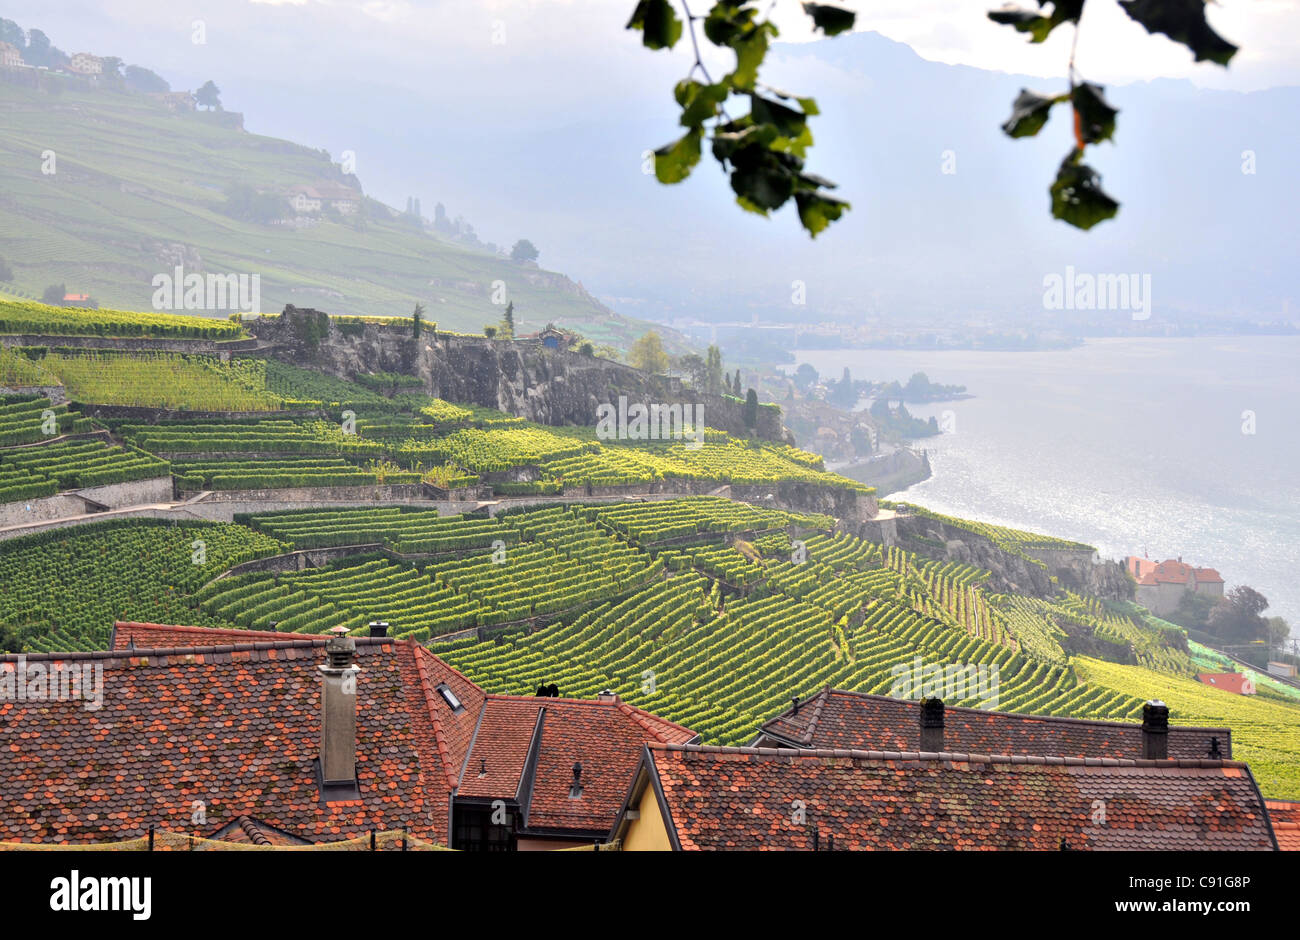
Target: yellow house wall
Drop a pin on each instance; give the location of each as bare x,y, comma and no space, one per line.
648,832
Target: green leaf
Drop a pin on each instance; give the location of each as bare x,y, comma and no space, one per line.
817,211
830,20
674,162
1182,21
1029,112
659,25
699,102
1038,26
763,179
1096,118
750,53
1077,197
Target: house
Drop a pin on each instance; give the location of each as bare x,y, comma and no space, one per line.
690,798
178,101
83,63
78,300
843,720
1285,817
1161,585
1236,682
553,338
10,57
247,736
311,199
304,199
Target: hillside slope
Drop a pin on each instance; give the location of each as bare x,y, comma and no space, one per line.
137,189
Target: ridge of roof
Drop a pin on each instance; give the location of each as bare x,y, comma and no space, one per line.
824,694
450,773
643,718
1180,763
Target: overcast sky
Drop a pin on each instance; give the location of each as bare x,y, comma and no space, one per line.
523,39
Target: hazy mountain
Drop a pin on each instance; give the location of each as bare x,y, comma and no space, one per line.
976,242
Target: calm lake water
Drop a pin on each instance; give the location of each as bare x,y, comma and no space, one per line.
1134,446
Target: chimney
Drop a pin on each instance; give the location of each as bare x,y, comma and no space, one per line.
931,725
606,696
795,709
338,719
379,628
1155,730
575,791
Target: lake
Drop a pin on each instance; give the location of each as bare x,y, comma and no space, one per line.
1162,447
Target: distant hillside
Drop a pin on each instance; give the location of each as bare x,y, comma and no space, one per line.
138,188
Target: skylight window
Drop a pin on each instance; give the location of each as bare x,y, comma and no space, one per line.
450,698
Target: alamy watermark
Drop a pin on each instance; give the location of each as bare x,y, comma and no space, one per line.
650,422
1075,291
211,292
21,681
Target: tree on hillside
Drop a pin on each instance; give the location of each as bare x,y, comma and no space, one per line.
735,384
54,295
524,250
417,320
139,78
510,319
648,354
6,272
751,409
112,66
38,51
713,371
1237,616
764,150
245,203
693,365
805,377
13,34
209,95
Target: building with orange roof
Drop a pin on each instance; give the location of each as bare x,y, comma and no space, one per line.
692,798
1235,682
1162,584
290,739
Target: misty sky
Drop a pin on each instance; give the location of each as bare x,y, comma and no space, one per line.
529,117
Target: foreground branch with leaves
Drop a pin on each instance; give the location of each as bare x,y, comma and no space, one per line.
764,151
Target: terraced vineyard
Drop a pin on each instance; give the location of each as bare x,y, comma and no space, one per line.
62,589
79,463
25,419
164,380
30,317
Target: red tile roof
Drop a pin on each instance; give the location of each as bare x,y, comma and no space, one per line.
231,717
749,799
1171,571
525,750
233,728
1285,815
835,718
1229,682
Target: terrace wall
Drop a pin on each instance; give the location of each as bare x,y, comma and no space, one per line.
520,377
57,394
87,500
208,347
373,493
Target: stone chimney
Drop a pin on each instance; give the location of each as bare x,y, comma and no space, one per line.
606,695
338,718
932,725
379,628
1155,730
